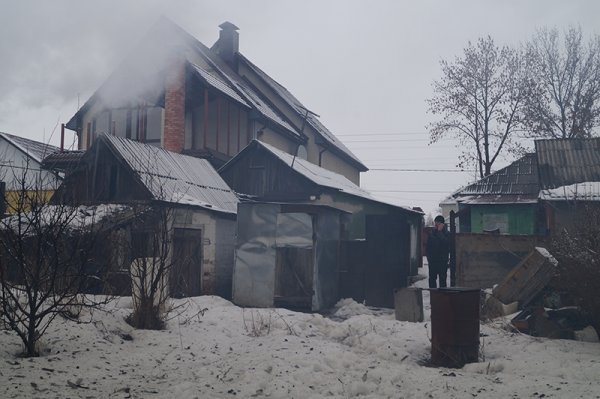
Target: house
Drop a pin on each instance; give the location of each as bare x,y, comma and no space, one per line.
174,92
506,201
381,249
21,171
536,194
569,178
504,216
288,255
179,196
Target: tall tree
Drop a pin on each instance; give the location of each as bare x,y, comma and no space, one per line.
567,77
479,100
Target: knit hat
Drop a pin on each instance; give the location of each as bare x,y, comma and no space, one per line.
439,219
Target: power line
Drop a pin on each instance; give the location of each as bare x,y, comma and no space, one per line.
384,141
382,134
420,170
396,148
411,191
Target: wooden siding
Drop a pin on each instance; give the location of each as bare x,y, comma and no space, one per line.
100,178
483,260
262,175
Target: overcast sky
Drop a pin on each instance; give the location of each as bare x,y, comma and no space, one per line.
365,67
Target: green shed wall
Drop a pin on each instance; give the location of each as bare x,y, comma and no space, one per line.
521,217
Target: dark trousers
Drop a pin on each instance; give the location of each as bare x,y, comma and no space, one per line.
437,269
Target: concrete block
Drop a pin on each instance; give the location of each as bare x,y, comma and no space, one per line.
408,304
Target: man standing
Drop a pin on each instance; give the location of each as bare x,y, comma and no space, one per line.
438,251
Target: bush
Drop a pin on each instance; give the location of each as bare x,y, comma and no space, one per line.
577,249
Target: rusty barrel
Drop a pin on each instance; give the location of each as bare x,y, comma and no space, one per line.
454,326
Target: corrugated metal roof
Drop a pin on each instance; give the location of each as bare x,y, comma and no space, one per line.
264,108
64,156
228,81
586,191
499,199
34,149
322,177
219,84
316,174
292,101
518,178
221,77
176,178
563,162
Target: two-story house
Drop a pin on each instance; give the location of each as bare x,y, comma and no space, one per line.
174,92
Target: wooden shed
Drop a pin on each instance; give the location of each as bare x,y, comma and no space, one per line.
181,196
383,240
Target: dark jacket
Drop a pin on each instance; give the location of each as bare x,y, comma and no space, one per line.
438,247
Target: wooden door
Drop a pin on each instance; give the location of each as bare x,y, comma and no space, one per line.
294,277
186,272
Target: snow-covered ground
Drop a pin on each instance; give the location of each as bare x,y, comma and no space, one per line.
226,351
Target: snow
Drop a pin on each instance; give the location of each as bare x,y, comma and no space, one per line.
546,254
215,349
586,191
76,218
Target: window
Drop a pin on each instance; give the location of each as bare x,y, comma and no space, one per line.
495,221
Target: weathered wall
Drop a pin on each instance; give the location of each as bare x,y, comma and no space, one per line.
17,169
483,260
361,208
328,160
224,256
217,248
511,218
569,214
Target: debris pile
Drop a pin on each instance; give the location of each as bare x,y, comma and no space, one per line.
544,310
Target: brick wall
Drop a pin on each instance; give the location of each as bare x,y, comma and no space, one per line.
174,130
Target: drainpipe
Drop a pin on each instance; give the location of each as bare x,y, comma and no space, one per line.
321,155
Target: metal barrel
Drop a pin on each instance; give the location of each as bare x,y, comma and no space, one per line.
454,326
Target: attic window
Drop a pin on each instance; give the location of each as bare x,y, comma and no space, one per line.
302,152
495,221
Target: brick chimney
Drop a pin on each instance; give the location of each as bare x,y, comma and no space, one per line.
228,43
174,128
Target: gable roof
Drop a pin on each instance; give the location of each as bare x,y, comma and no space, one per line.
34,149
173,177
560,169
317,175
207,66
517,182
140,76
564,162
302,111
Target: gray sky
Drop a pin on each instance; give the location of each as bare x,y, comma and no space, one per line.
365,67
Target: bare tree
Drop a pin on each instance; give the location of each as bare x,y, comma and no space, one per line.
152,263
479,100
46,260
154,269
567,77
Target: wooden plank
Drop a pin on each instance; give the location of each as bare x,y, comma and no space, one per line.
527,279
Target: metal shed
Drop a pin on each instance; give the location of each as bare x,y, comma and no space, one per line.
287,255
